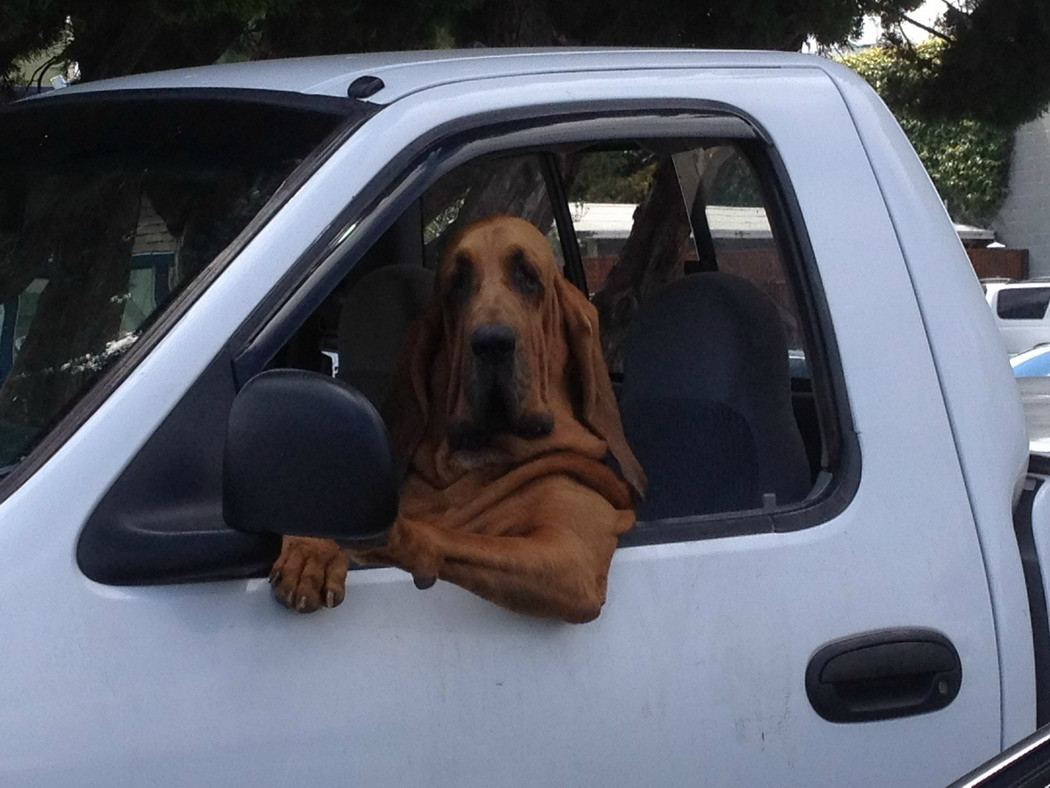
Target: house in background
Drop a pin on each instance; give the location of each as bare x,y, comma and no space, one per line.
1024,220
744,240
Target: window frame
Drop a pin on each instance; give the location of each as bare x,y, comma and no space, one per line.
406,177
112,550
1038,291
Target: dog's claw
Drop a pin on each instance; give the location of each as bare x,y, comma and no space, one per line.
329,599
301,604
275,577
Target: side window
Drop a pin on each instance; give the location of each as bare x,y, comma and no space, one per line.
699,309
656,218
1023,303
700,325
605,188
739,228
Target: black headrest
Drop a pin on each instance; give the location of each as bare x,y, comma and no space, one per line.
711,335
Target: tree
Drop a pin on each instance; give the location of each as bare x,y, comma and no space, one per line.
994,65
110,37
758,24
968,159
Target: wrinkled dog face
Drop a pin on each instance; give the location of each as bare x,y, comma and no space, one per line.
496,282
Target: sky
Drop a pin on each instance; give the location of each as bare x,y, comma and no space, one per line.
927,14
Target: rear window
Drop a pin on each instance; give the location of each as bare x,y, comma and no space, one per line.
1023,303
110,204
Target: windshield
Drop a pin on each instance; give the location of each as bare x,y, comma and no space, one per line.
110,204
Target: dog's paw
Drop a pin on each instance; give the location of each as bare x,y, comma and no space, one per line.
309,574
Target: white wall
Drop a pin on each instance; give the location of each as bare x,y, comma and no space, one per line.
1024,221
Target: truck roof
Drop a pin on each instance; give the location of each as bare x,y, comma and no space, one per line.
404,73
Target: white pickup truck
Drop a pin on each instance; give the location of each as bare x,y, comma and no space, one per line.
835,578
1020,311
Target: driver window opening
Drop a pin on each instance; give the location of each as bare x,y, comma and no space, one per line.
701,326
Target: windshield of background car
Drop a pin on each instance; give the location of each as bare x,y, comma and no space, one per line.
110,204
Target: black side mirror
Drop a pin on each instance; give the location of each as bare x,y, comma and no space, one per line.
307,455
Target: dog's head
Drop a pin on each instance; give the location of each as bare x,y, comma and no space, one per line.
507,347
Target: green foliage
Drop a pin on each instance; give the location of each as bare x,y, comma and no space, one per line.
969,162
296,28
613,176
112,38
997,65
758,24
968,159
735,184
27,29
625,176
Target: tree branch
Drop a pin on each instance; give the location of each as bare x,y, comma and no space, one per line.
932,31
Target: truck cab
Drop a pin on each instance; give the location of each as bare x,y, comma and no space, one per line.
824,584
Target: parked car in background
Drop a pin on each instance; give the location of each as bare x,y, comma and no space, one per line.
1034,363
1032,371
1020,311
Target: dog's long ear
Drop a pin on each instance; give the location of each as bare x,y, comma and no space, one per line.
597,403
407,409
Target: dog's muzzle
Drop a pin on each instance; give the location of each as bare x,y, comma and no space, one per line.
496,381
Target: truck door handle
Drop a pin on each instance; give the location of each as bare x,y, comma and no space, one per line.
884,674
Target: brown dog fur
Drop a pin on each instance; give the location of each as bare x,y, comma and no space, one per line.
507,493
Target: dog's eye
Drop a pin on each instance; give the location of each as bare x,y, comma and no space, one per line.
524,275
459,283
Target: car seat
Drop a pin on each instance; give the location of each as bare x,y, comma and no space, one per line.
373,323
706,400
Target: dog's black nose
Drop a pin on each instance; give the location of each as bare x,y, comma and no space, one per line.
492,341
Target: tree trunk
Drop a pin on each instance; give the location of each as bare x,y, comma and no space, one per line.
653,255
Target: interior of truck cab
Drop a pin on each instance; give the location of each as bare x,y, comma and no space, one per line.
700,323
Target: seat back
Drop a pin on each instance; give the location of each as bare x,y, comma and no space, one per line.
706,400
373,323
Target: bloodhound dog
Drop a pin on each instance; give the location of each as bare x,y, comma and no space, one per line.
505,415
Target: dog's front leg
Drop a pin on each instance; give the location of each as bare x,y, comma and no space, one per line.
551,572
309,573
